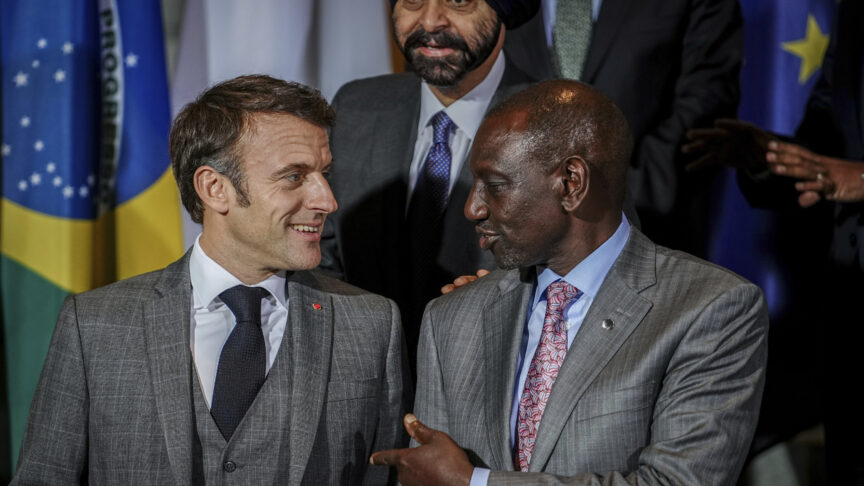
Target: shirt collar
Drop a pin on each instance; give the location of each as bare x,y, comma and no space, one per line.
590,273
467,112
209,279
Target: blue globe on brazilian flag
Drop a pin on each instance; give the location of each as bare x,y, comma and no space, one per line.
88,195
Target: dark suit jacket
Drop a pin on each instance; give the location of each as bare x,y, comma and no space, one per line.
666,392
373,145
114,402
670,65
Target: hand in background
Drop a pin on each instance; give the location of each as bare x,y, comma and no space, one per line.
821,176
731,143
437,461
464,279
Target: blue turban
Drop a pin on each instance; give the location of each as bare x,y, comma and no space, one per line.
512,13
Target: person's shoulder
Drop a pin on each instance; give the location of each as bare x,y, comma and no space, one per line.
479,293
131,290
343,292
377,91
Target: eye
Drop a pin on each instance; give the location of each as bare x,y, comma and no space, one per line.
294,177
460,3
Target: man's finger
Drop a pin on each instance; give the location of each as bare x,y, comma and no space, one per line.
417,430
482,272
808,198
386,458
447,289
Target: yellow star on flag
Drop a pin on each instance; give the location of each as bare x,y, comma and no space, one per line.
811,49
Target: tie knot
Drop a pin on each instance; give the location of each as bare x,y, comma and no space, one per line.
244,302
561,293
442,125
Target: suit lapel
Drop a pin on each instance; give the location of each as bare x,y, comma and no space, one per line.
593,347
503,322
166,331
310,337
613,13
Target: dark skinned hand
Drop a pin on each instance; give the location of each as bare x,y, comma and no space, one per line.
820,176
731,143
437,461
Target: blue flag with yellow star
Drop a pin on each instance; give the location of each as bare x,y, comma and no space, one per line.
785,41
88,196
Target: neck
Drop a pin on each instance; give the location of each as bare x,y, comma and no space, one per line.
585,239
448,95
227,259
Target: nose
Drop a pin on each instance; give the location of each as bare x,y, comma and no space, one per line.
475,208
321,197
433,17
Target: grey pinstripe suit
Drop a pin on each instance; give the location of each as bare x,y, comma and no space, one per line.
114,402
669,395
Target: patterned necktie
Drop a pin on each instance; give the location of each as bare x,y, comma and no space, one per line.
543,370
571,36
243,362
430,192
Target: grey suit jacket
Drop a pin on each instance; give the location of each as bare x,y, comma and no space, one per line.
114,402
669,394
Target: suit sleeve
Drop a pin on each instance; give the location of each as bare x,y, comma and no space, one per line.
396,401
707,88
54,450
706,411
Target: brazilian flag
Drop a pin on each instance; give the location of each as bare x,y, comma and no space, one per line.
88,196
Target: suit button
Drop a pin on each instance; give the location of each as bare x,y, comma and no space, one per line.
607,324
229,466
853,240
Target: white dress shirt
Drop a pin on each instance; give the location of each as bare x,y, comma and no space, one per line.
212,321
466,112
587,276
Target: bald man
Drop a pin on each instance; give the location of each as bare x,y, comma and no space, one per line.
594,356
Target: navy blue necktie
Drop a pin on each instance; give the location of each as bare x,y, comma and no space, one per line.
243,362
433,182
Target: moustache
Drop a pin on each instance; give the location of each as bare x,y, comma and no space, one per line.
443,39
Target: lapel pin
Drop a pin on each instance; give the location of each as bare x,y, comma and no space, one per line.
316,306
607,324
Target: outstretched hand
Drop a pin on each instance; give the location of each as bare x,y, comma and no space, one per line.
464,279
730,143
820,176
437,461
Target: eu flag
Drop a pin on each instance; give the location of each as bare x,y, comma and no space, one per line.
88,196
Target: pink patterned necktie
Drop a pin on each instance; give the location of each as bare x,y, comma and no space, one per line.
547,360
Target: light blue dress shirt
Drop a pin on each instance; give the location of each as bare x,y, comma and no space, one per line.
587,276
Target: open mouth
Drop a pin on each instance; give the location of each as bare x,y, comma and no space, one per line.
305,228
487,238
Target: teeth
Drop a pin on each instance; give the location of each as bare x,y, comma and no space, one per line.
304,228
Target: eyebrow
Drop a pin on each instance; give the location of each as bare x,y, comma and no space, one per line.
299,166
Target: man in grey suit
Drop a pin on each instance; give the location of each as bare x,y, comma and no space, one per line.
598,357
400,231
150,381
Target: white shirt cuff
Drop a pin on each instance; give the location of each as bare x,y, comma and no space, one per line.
480,476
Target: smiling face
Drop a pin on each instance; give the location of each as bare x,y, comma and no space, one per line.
286,162
444,40
515,202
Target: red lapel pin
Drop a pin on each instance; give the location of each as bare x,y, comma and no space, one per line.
316,306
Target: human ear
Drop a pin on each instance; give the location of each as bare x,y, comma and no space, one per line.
213,188
575,175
